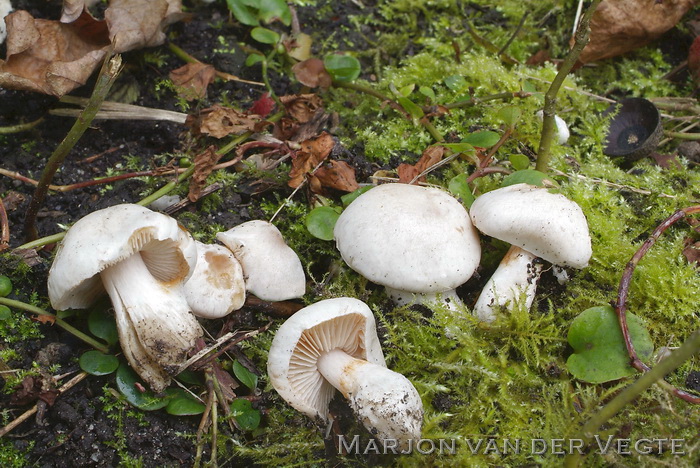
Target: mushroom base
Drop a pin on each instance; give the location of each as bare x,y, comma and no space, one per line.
385,401
514,280
156,312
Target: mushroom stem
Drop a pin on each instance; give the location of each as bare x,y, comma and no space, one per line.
448,299
515,279
385,401
157,312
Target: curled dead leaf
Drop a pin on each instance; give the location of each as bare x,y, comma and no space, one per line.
55,57
192,79
301,107
619,26
204,163
312,73
312,152
219,121
431,156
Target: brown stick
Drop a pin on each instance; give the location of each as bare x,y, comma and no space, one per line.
623,292
4,228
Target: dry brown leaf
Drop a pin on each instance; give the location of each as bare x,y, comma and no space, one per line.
619,26
431,156
312,73
204,162
53,57
312,152
302,107
134,24
218,122
45,319
337,175
192,79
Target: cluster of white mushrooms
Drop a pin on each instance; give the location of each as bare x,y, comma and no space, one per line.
159,278
419,243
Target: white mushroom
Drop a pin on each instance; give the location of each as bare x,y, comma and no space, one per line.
216,287
417,242
536,223
141,258
272,270
332,345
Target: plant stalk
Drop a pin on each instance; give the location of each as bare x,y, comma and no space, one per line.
108,74
549,126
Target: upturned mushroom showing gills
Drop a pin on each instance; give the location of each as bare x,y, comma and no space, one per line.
537,224
216,287
331,345
272,270
141,258
417,242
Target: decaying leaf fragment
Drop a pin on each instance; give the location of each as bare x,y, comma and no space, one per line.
337,175
192,80
619,26
312,152
312,73
302,107
431,156
204,163
55,57
219,121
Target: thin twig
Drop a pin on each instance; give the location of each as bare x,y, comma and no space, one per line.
623,291
291,195
20,127
27,414
185,57
232,343
549,127
607,183
108,74
4,227
119,111
513,36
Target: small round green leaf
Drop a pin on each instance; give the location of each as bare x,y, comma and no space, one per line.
242,12
483,139
427,92
246,416
5,286
321,221
459,187
190,377
519,161
126,383
183,404
252,59
103,325
344,68
245,376
510,115
264,35
529,176
97,363
600,354
411,107
5,312
270,10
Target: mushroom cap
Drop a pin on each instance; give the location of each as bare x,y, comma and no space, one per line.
548,225
216,287
272,270
407,237
342,323
635,130
104,238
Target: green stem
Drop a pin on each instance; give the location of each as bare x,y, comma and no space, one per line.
58,321
20,127
683,136
109,72
549,126
364,89
688,349
432,130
